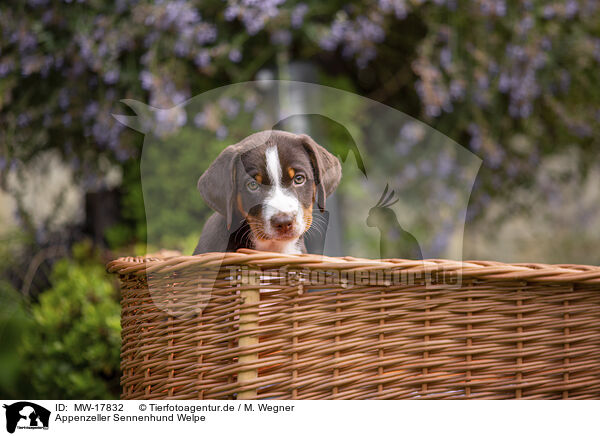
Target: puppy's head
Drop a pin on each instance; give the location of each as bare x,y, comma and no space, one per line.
271,179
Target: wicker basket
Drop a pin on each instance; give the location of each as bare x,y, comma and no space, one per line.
499,331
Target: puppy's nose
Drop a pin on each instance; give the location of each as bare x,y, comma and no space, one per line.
282,222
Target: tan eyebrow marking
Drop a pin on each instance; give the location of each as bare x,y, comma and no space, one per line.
258,178
291,172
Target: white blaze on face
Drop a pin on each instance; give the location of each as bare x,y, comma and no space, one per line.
280,199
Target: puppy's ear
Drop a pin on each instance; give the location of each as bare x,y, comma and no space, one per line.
326,167
218,183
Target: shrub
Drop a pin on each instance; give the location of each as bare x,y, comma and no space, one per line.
72,351
15,324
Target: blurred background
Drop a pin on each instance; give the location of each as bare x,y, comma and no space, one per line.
515,83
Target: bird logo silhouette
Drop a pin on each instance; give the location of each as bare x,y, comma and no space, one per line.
395,242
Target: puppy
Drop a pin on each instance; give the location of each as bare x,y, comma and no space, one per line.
263,190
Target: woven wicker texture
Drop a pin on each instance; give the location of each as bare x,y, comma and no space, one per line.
506,331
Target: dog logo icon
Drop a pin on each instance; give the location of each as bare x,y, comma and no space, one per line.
26,415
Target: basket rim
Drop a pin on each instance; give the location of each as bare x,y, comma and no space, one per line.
471,269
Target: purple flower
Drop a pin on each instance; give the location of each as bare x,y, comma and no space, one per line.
496,158
66,119
476,141
253,13
27,41
200,119
445,57
146,79
425,167
30,65
397,6
111,77
504,83
596,42
500,8
515,52
230,106
260,120
457,89
63,98
179,97
445,165
526,24
235,55
412,132
202,59
356,38
297,16
181,48
23,120
483,82
548,12
546,43
178,14
181,117
231,12
206,34
6,66
564,80
221,132
571,8
581,130
441,239
512,169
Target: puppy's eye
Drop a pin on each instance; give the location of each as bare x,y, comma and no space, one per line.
252,185
299,179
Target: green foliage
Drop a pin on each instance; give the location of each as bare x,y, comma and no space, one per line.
72,349
15,325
